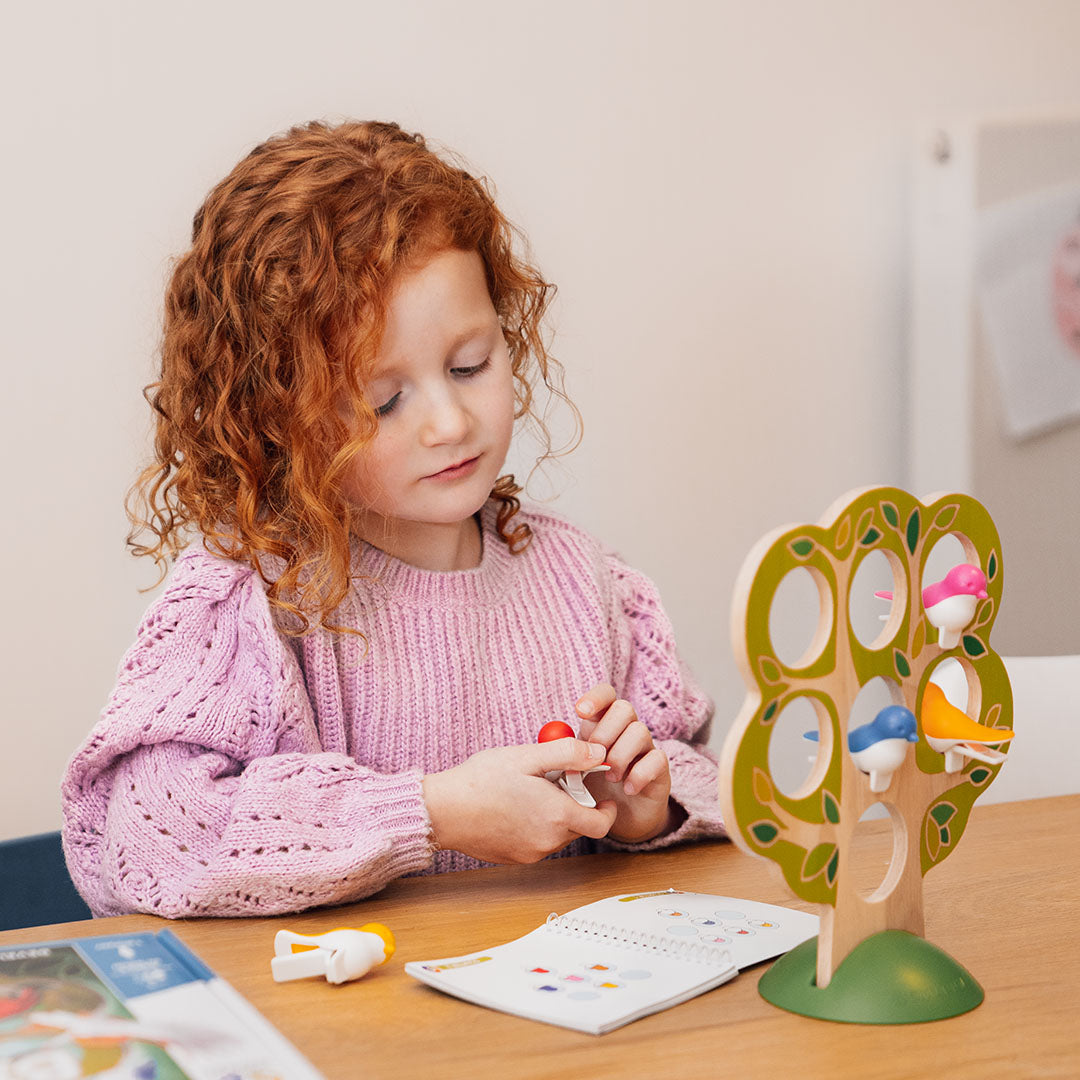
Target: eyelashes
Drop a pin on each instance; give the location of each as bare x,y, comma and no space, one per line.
463,373
388,407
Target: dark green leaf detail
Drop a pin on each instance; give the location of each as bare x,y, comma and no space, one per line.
944,836
870,536
991,566
913,524
816,860
765,832
770,712
978,776
802,547
903,668
942,813
891,514
831,869
830,807
973,646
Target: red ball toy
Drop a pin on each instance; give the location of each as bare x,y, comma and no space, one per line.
555,729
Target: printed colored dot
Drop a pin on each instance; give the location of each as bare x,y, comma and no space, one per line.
599,967
573,978
639,973
671,913
540,971
608,985
583,995
764,924
716,939
548,989
703,922
740,931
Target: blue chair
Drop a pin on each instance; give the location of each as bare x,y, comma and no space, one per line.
35,888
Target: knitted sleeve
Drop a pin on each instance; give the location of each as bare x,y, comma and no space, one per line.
204,790
650,674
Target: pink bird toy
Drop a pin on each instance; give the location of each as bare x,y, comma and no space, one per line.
950,603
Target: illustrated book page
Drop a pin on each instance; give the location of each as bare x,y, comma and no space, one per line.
613,961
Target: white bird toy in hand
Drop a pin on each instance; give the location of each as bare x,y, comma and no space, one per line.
950,603
340,955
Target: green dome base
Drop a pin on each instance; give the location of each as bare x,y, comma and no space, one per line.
890,978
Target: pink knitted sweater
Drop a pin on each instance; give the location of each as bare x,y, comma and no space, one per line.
238,771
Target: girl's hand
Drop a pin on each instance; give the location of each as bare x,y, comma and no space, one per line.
497,805
639,782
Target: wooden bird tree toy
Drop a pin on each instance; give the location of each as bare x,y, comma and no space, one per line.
928,793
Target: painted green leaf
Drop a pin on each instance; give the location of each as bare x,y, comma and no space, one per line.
762,785
770,670
978,776
843,534
946,516
991,566
802,547
919,638
830,808
944,836
765,832
832,868
816,860
870,536
942,812
973,646
891,514
770,712
913,524
903,668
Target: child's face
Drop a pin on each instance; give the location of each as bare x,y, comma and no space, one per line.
444,392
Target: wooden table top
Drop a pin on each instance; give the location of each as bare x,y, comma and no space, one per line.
1006,904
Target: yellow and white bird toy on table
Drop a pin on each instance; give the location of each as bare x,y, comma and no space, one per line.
341,955
920,759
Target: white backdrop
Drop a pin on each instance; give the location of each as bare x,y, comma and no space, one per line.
719,187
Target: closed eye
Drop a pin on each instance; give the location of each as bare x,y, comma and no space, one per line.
388,407
470,372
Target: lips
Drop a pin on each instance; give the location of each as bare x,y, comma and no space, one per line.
453,472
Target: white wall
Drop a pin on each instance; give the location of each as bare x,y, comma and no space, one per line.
719,188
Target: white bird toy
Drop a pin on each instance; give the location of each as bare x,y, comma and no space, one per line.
879,748
340,955
951,602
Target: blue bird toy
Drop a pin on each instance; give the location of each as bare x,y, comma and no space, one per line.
879,748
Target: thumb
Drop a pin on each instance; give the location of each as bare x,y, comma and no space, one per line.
566,755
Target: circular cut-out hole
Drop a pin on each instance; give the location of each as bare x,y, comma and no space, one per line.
874,745
951,676
800,617
948,552
797,764
877,851
875,618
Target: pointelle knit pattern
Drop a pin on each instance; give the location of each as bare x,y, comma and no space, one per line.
239,771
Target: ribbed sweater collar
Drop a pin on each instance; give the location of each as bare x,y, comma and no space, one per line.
388,578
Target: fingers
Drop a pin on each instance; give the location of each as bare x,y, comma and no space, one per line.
593,703
647,770
564,755
592,823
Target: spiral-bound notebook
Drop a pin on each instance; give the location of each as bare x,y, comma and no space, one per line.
613,961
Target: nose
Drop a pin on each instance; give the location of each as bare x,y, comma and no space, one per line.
445,419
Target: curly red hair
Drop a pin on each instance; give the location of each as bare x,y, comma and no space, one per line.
273,318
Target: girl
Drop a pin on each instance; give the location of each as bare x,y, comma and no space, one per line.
343,680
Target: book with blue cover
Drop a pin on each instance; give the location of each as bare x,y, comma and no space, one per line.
139,1006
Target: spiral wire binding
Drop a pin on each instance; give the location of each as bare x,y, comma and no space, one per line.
657,943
